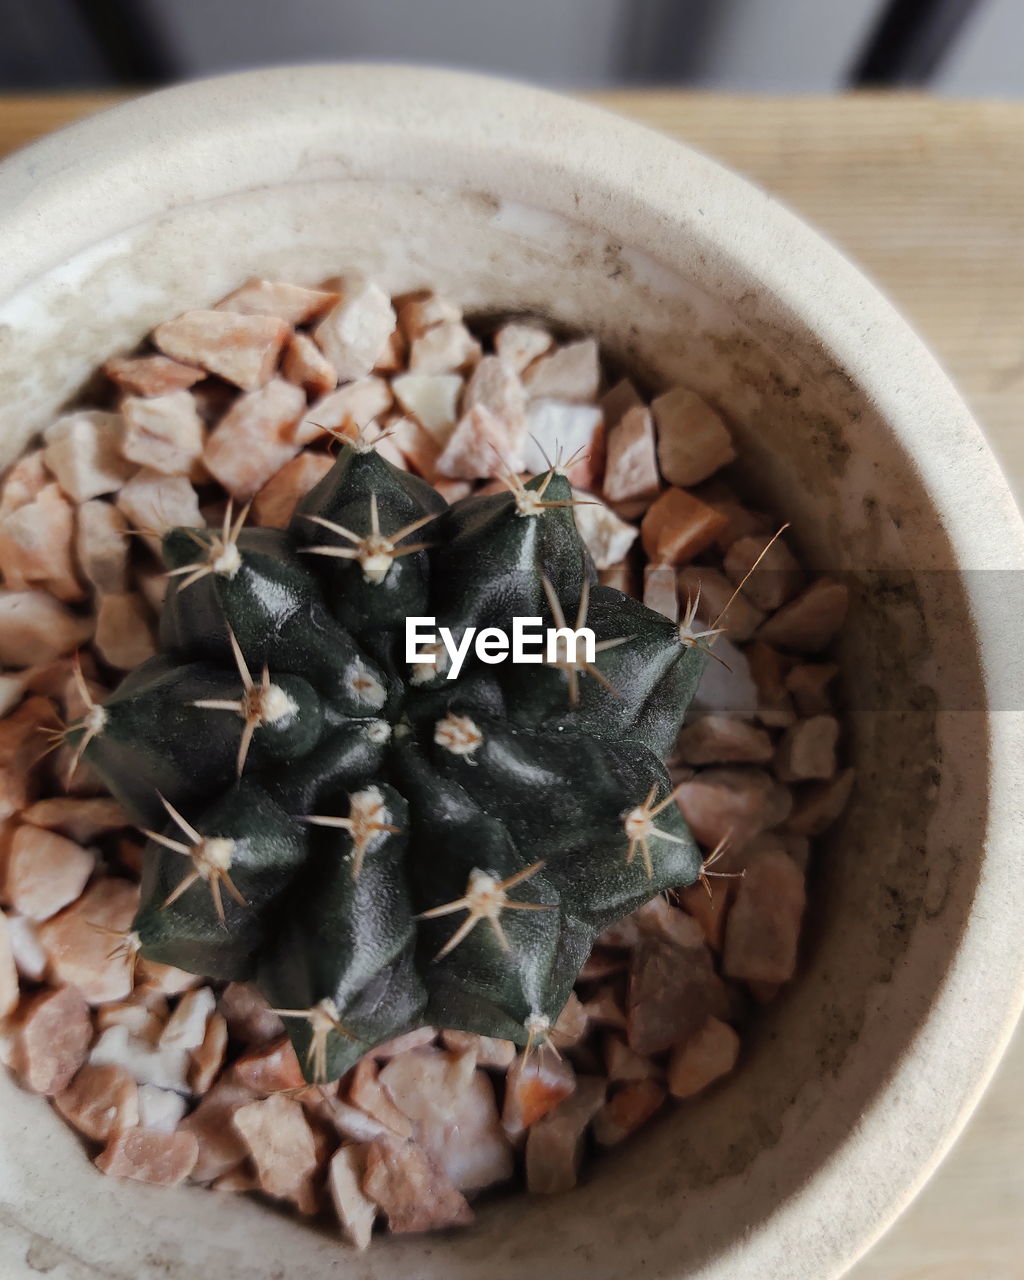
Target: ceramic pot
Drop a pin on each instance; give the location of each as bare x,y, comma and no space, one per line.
508,198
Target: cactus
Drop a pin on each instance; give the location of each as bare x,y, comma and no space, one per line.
375,845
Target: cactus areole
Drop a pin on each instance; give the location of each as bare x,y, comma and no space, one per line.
377,846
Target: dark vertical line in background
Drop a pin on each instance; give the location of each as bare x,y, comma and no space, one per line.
664,41
129,42
910,41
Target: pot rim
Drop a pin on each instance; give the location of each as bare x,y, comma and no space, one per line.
78,186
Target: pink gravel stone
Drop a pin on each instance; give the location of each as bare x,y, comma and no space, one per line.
36,543
255,438
355,332
275,503
288,302
778,575
678,527
763,931
571,372
629,1107
819,805
418,312
124,632
714,593
808,683
660,593
736,802
80,951
52,1039
79,818
366,1092
103,546
693,441
100,1102
8,970
488,1051
671,991
23,740
707,1055
419,449
208,1058
249,1016
410,1189
349,409
454,1115
164,433
723,740
355,1211
280,1141
476,446
146,1155
495,385
659,919
535,1084
420,1038
448,347
809,622
631,466
807,750
242,349
154,503
221,1147
432,399
709,910
307,367
83,450
604,1008
23,481
45,872
520,343
151,375
623,1063
557,429
270,1068
606,536
36,628
554,1145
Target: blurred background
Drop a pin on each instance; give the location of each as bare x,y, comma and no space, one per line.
955,47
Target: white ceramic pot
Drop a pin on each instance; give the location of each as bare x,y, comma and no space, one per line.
509,198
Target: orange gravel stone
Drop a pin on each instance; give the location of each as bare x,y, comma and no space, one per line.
146,1155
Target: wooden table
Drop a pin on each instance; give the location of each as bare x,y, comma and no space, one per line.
928,197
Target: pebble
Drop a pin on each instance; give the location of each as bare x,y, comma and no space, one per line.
763,929
554,1145
778,575
571,372
124,634
288,302
269,1068
520,344
558,431
83,450
186,1027
704,1058
279,1139
164,433
145,1155
102,546
275,503
23,481
808,623
718,602
349,410
488,1051
631,466
807,750
221,1147
631,1106
35,628
736,802
255,438
671,991
475,448
447,347
160,1110
693,441
249,1016
305,365
44,871
242,349
355,1211
79,818
79,944
820,804
678,527
454,1115
154,503
151,375
535,1084
36,546
100,1102
52,1038
808,684
8,970
607,537
207,1059
354,333
432,400
715,739
410,1189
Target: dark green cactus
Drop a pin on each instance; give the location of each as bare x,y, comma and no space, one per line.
378,846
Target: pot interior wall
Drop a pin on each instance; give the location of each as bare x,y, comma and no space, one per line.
890,890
